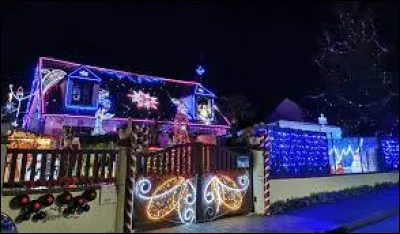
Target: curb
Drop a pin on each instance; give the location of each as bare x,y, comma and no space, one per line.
375,218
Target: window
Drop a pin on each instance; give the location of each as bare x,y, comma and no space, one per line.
204,107
82,93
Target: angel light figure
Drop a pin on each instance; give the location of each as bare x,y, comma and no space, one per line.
101,115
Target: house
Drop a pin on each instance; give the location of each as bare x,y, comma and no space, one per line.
287,110
289,114
73,95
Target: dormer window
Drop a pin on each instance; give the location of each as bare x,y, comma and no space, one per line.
82,90
82,93
204,102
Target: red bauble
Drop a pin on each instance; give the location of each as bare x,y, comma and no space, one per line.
50,199
86,208
68,198
36,205
64,198
24,200
79,201
90,194
47,200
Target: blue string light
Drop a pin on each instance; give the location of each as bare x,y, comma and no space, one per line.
389,153
298,153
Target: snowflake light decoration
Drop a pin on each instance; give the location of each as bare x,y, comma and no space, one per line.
144,100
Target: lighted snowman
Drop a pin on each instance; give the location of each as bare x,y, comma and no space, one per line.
356,164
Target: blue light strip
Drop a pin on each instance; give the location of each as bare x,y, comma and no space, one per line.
200,90
390,153
34,88
298,153
85,69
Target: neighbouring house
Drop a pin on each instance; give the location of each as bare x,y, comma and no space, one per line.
287,110
75,95
289,114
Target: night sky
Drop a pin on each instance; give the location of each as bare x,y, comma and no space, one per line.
261,49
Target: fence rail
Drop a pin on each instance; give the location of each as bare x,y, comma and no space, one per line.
34,165
187,159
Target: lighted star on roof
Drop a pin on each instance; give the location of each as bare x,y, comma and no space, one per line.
144,100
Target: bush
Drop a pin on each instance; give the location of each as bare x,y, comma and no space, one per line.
327,197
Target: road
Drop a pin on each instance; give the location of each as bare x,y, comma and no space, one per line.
319,219
390,225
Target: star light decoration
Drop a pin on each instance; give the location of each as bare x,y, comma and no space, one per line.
144,100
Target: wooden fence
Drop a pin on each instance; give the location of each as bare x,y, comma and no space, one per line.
188,159
34,165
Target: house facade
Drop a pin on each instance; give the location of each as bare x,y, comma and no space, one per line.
73,95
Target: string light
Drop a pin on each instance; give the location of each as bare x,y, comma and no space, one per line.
144,100
178,194
390,153
175,194
298,153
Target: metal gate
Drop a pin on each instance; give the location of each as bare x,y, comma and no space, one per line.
191,183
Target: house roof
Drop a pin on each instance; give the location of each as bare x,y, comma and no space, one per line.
121,86
286,110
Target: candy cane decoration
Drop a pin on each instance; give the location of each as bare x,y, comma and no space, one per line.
139,141
266,146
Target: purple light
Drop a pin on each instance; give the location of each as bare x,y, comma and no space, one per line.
135,120
129,73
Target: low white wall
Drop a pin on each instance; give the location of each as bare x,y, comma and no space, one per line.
99,219
282,189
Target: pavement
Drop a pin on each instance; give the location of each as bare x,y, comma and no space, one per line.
390,225
351,214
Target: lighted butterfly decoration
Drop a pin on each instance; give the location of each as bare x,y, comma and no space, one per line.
222,195
178,195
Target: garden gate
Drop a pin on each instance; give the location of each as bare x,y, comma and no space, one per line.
190,183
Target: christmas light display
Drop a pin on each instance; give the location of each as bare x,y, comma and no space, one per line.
72,94
222,195
181,128
101,114
200,70
27,140
298,153
98,125
50,78
346,155
176,194
143,100
18,95
389,153
35,86
80,85
369,154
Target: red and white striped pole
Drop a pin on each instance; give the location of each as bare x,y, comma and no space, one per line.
266,146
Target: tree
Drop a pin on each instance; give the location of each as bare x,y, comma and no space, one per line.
237,109
352,60
181,125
